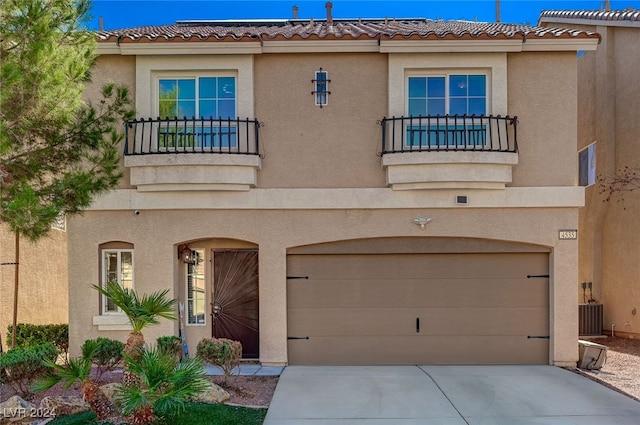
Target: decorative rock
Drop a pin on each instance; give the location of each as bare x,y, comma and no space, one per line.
110,391
16,411
63,406
214,394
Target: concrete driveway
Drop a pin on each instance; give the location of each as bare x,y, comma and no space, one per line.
445,395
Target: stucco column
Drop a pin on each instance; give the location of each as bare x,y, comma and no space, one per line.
564,309
273,304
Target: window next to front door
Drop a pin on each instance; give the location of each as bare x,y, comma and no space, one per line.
196,314
117,266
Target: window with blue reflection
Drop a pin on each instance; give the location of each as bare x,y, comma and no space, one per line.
460,94
208,103
203,97
321,88
427,96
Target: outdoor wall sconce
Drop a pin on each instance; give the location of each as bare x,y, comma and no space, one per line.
321,92
422,221
185,254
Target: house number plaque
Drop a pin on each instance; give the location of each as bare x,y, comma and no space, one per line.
568,234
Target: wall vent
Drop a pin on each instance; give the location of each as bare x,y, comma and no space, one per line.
462,199
590,319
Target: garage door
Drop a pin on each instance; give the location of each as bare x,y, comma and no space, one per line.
418,309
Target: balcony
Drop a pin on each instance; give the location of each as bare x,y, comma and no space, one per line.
192,154
449,152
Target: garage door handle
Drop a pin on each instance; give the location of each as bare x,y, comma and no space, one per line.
297,337
417,325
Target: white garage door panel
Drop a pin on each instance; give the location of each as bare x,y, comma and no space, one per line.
472,309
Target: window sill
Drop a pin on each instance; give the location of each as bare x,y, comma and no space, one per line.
112,322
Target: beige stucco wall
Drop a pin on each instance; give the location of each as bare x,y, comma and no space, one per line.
542,87
621,228
274,231
42,292
609,115
333,146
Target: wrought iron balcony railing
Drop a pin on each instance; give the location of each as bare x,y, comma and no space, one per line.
192,135
449,133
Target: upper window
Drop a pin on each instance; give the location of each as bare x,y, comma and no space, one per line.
453,94
210,100
117,266
206,97
450,94
587,165
196,289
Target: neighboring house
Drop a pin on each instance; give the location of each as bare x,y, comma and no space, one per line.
608,141
362,195
43,294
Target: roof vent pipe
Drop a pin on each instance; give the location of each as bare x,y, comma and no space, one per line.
497,10
329,5
295,12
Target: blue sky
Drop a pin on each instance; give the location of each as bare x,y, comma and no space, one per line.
131,13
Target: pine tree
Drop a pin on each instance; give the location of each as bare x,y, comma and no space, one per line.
56,151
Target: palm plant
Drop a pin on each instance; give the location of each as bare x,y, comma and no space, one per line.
141,312
78,369
165,385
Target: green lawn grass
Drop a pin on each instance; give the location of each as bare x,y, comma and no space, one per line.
195,414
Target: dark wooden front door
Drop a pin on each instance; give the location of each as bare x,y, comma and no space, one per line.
235,298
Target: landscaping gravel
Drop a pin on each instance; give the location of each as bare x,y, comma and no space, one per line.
622,368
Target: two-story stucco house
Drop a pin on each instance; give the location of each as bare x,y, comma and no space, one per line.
608,141
344,191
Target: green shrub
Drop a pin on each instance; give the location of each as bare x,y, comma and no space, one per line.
171,345
168,385
221,352
104,353
28,335
20,366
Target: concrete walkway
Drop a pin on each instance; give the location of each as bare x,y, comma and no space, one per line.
247,369
445,395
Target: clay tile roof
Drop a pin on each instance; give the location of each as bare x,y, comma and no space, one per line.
631,15
339,29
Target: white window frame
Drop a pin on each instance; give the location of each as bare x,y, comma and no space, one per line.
590,151
192,76
199,255
105,278
321,91
476,131
447,74
403,64
214,132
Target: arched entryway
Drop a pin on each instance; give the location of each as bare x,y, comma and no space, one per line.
219,288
